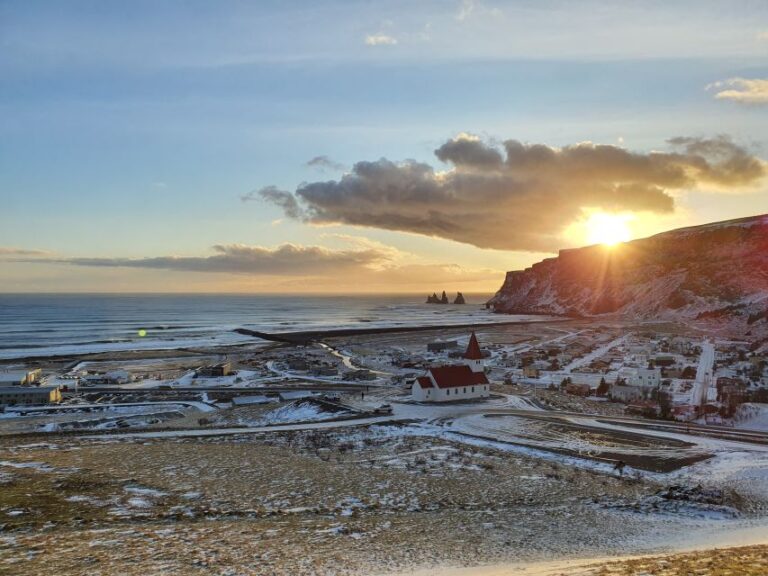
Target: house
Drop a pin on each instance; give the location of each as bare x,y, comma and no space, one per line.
114,377
530,371
647,377
360,375
216,370
629,393
456,382
600,365
664,361
325,371
578,389
683,412
29,395
299,364
118,377
20,377
249,400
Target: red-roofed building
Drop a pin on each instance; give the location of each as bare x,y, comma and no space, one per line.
456,382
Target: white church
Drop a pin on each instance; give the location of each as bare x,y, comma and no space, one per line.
457,382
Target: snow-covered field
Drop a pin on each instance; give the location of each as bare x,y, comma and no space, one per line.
752,417
298,411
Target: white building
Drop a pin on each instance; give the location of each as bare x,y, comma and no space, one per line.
629,393
20,377
250,400
457,382
647,377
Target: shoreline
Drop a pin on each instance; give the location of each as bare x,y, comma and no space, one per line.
299,337
307,336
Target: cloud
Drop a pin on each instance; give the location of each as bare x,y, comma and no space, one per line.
468,150
742,90
519,197
366,263
10,251
281,198
286,259
469,8
323,162
719,161
380,39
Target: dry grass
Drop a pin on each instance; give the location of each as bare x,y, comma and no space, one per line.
743,561
301,503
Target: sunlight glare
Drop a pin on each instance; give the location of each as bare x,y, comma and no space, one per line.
608,229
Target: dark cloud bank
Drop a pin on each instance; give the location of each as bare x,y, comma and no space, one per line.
287,259
369,265
10,251
518,196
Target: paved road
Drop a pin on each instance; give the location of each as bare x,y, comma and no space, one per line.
596,353
445,414
703,374
202,406
318,386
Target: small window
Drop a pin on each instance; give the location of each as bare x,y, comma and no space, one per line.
465,390
473,388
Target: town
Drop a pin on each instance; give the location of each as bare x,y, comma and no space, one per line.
357,440
643,372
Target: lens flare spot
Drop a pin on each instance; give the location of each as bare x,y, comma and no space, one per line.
142,333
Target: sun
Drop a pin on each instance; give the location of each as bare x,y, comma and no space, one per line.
608,229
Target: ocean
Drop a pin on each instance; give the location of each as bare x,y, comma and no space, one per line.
48,324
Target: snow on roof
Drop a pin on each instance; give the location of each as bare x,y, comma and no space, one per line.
14,375
455,376
27,389
243,400
473,349
297,395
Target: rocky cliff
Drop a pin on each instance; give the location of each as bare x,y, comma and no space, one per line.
717,272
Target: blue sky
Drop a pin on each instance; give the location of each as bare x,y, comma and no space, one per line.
132,129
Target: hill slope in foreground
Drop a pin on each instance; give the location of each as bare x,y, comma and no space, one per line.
715,275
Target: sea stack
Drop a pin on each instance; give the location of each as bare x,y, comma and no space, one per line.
459,298
444,298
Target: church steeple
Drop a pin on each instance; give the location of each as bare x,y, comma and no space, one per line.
473,357
473,349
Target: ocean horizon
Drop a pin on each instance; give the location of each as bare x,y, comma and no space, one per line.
74,323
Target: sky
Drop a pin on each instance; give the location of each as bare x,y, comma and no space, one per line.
359,146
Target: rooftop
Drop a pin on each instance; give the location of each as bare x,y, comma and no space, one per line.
456,376
473,349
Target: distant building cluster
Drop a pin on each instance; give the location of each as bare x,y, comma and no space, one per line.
655,375
23,388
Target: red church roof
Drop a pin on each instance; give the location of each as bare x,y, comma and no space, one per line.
456,376
424,382
473,349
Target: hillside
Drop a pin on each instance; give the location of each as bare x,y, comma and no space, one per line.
715,274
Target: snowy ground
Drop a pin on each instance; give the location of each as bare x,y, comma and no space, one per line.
500,480
752,417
